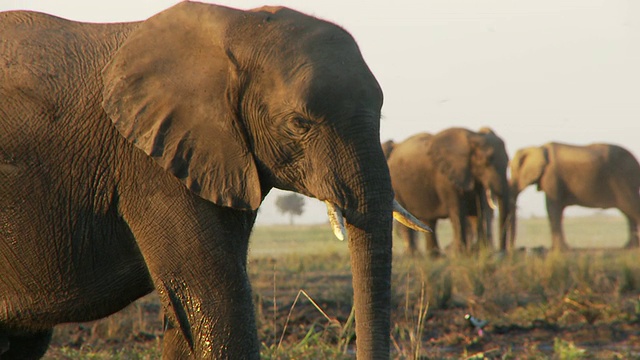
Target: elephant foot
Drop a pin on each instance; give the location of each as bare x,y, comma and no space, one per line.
632,244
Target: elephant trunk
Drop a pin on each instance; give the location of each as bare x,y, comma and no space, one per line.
371,268
368,214
504,207
505,238
512,226
370,240
512,219
357,183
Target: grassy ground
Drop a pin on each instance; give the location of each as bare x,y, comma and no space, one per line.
580,305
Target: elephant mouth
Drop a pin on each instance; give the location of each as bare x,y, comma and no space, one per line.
337,221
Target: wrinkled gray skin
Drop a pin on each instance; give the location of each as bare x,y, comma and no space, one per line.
596,176
446,175
212,108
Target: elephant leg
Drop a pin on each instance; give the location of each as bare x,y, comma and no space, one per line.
464,228
409,238
174,344
431,240
459,224
487,221
630,207
481,226
199,274
554,211
475,232
633,242
25,346
218,322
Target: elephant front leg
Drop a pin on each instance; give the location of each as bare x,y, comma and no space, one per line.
633,241
198,267
209,316
475,233
409,238
431,240
196,254
460,225
554,211
486,226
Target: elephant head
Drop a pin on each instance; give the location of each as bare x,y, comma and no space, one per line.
471,159
235,103
526,168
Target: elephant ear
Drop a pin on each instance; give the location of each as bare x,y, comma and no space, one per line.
171,89
450,151
387,148
530,165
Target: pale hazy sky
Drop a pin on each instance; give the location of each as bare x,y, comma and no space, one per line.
533,70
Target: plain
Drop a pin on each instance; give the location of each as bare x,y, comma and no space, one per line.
581,304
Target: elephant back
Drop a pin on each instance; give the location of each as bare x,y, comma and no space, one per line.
31,40
626,164
408,165
413,149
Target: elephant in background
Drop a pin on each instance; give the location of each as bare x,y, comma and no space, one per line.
387,148
407,234
134,157
596,175
453,174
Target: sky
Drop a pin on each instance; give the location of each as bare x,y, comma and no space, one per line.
533,70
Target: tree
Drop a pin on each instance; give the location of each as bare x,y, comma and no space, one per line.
291,203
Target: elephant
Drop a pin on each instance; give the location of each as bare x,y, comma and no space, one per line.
387,148
453,174
134,157
596,175
479,226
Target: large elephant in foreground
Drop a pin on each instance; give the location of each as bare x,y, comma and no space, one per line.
596,175
134,157
453,174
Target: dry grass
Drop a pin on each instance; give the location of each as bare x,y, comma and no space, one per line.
584,304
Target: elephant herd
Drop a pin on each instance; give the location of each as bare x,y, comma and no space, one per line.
459,174
134,157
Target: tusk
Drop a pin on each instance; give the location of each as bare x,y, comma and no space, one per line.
337,220
408,220
490,200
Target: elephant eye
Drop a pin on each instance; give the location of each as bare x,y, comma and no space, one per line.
298,125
